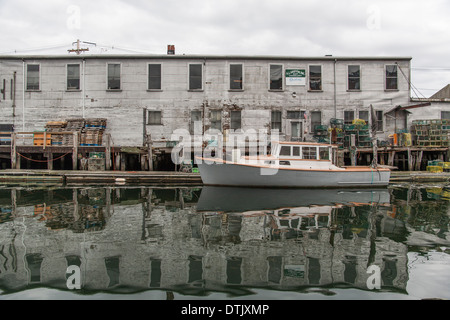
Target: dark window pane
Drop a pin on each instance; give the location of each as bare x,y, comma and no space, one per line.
316,119
236,77
276,79
154,76
315,78
216,120
113,76
364,115
285,151
73,77
33,76
296,115
349,116
235,120
154,117
276,120
354,78
195,77
391,77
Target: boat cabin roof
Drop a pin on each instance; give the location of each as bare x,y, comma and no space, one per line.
294,143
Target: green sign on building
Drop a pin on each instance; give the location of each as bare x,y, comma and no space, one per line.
295,77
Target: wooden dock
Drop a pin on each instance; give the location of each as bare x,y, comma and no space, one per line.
73,177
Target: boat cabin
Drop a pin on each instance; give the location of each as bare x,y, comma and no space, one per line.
305,153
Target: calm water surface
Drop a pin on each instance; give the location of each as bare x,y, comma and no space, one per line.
225,243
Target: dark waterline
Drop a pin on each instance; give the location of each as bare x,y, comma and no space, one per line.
225,243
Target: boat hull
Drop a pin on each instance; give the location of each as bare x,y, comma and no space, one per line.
232,174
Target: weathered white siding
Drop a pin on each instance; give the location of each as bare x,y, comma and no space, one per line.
124,109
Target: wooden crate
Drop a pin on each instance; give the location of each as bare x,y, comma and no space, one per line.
38,139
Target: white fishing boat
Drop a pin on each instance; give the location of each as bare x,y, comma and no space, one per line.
291,165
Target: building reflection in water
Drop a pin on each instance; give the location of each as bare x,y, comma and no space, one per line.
196,241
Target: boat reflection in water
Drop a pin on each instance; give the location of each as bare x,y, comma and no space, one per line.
196,242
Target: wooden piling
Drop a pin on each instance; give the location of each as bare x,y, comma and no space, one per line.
75,151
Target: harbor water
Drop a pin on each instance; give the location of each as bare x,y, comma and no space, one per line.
216,243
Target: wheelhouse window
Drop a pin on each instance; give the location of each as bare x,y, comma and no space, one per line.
391,77
73,77
235,120
154,76
276,77
315,78
195,77
324,153
309,153
33,77
276,120
236,77
154,118
285,151
113,76
216,120
354,78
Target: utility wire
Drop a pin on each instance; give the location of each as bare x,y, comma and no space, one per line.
416,91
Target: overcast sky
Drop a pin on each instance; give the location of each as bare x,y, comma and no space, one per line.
413,28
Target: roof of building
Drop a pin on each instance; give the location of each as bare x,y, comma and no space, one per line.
444,93
198,56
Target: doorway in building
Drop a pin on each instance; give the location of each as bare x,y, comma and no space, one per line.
296,128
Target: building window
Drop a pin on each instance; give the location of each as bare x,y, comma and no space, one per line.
379,121
354,78
73,77
316,119
154,77
235,120
276,120
236,77
154,118
391,77
315,78
33,77
276,77
216,120
295,115
445,115
349,116
113,76
364,115
195,77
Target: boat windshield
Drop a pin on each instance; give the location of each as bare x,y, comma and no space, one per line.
274,149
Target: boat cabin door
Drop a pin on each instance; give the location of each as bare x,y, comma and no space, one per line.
295,130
